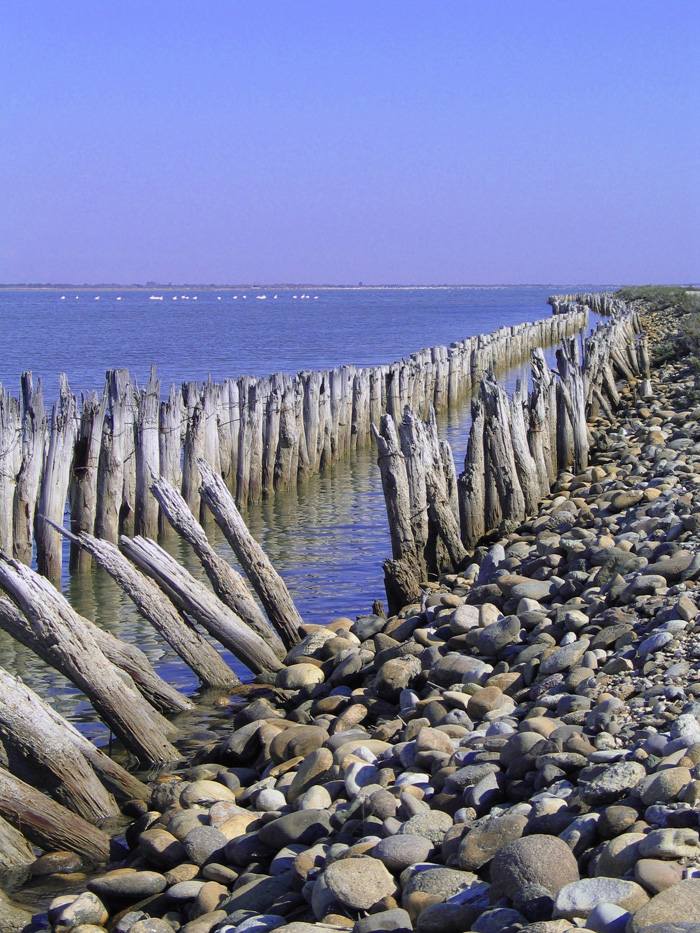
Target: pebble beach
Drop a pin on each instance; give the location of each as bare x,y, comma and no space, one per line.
518,752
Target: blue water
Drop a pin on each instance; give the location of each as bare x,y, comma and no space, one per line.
213,332
329,537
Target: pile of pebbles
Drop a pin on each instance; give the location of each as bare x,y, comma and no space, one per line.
520,752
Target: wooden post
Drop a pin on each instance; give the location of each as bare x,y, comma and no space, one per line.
228,585
54,486
15,852
200,603
10,462
525,465
271,432
501,472
47,824
193,448
43,751
287,460
48,625
147,456
402,573
82,492
211,394
245,439
471,484
114,449
170,445
266,582
34,434
360,408
185,640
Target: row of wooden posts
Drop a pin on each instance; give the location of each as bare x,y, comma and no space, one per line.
260,435
41,753
516,448
603,303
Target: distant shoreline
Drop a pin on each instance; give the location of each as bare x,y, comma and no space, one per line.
222,288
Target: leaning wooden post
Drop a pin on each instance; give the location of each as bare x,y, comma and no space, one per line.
266,582
38,746
82,492
46,823
228,585
402,573
29,478
184,639
201,605
57,634
147,455
15,850
54,486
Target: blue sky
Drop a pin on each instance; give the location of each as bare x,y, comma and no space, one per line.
501,141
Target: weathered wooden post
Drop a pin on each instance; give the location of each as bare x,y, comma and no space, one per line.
266,582
147,455
34,435
82,491
54,486
402,573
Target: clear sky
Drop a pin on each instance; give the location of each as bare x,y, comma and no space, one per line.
339,141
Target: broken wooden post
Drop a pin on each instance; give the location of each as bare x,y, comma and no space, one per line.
402,573
228,585
34,434
472,484
170,445
201,604
54,484
16,854
265,580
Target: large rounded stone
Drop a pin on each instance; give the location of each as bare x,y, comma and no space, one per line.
664,786
497,636
577,900
484,840
359,883
396,675
677,904
432,825
312,770
128,884
296,742
297,676
401,851
205,793
302,826
536,859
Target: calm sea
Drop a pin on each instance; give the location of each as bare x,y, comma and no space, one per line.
329,537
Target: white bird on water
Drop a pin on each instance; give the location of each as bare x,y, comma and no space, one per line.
63,297
119,297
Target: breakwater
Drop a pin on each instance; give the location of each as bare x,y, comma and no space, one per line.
260,435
